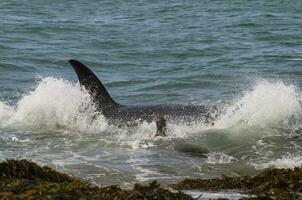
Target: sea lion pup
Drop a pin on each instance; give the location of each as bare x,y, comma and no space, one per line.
161,126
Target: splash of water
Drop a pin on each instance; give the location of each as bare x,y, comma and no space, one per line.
265,105
220,158
60,104
286,161
53,104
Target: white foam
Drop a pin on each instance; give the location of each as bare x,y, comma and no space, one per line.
59,104
287,161
266,104
143,173
16,139
220,158
54,103
5,113
202,195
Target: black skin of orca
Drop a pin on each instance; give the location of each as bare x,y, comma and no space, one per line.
129,115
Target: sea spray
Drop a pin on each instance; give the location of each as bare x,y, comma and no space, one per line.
99,149
54,104
60,104
286,161
266,104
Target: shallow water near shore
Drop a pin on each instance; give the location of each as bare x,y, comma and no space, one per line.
243,56
231,194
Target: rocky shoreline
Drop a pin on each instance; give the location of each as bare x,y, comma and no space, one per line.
23,179
268,184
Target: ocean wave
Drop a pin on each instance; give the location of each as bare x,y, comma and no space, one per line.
53,104
287,161
220,158
57,104
268,103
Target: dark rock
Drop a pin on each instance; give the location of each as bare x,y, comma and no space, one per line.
22,179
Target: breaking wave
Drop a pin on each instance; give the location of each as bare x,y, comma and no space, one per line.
53,104
266,104
287,161
87,140
60,104
220,158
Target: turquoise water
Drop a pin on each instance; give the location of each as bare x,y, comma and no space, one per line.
243,55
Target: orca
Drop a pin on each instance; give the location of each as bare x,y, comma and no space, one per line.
132,114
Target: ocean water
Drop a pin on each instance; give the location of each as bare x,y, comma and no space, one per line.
245,56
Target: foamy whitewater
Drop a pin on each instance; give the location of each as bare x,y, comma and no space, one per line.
55,123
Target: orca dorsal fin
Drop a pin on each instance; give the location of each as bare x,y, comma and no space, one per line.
92,84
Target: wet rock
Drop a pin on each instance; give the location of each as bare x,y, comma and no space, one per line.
268,184
23,169
22,179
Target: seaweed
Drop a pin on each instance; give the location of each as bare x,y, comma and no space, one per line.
23,169
22,179
268,184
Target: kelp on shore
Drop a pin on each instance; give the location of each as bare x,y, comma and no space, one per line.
23,179
268,184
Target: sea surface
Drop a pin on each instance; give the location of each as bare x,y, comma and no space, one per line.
245,56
